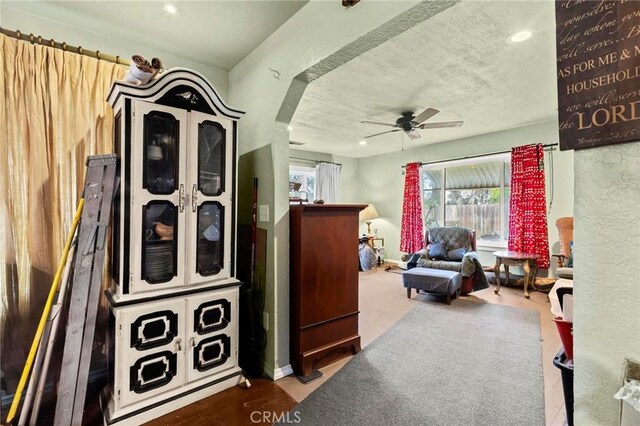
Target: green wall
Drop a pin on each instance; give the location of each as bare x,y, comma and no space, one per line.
317,31
607,290
295,155
13,18
381,179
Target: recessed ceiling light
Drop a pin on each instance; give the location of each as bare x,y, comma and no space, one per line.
170,9
362,142
520,36
289,128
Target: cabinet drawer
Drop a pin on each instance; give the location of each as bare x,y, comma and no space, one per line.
212,354
212,316
150,349
153,330
323,334
153,372
213,333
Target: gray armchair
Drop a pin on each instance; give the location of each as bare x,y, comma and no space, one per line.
455,237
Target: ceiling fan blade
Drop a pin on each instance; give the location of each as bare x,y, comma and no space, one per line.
378,134
413,135
425,115
440,125
378,123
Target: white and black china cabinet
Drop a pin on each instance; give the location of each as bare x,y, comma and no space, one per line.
173,298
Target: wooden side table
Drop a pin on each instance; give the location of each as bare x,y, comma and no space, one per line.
515,258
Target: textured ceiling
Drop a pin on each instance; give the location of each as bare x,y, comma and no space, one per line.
216,33
458,61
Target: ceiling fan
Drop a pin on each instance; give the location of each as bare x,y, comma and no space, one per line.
410,123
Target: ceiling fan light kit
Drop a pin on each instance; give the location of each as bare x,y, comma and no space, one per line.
409,123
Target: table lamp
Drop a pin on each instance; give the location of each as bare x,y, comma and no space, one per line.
367,215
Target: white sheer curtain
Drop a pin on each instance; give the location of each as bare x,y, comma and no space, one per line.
328,182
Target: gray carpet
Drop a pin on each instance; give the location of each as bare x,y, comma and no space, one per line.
471,363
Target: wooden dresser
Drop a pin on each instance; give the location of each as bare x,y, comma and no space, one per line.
324,284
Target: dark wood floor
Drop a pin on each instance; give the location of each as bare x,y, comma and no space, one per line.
259,404
263,402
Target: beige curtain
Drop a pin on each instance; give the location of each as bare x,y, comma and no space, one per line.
53,114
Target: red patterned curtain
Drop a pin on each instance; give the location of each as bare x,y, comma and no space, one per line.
528,231
412,231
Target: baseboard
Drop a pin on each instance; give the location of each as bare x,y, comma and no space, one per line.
276,373
285,371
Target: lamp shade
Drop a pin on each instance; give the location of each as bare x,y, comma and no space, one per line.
369,213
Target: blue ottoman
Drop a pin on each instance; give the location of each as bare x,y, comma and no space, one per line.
437,281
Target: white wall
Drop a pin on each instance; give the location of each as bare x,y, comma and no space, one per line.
27,23
607,289
382,181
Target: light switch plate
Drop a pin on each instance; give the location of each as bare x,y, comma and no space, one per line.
263,211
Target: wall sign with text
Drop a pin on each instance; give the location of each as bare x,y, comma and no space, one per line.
598,57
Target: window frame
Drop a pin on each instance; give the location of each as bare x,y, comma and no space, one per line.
505,159
305,171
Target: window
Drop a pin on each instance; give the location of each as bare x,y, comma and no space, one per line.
302,183
470,194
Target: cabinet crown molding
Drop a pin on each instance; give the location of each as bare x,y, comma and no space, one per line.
168,80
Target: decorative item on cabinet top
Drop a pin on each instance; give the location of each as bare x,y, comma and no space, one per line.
174,214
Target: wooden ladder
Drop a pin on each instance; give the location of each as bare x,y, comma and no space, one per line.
99,190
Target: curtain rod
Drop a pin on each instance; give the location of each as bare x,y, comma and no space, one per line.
64,46
314,161
551,147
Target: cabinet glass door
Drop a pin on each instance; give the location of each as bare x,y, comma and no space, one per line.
161,146
210,248
158,193
211,157
209,222
159,245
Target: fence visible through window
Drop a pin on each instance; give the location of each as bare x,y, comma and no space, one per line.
472,195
